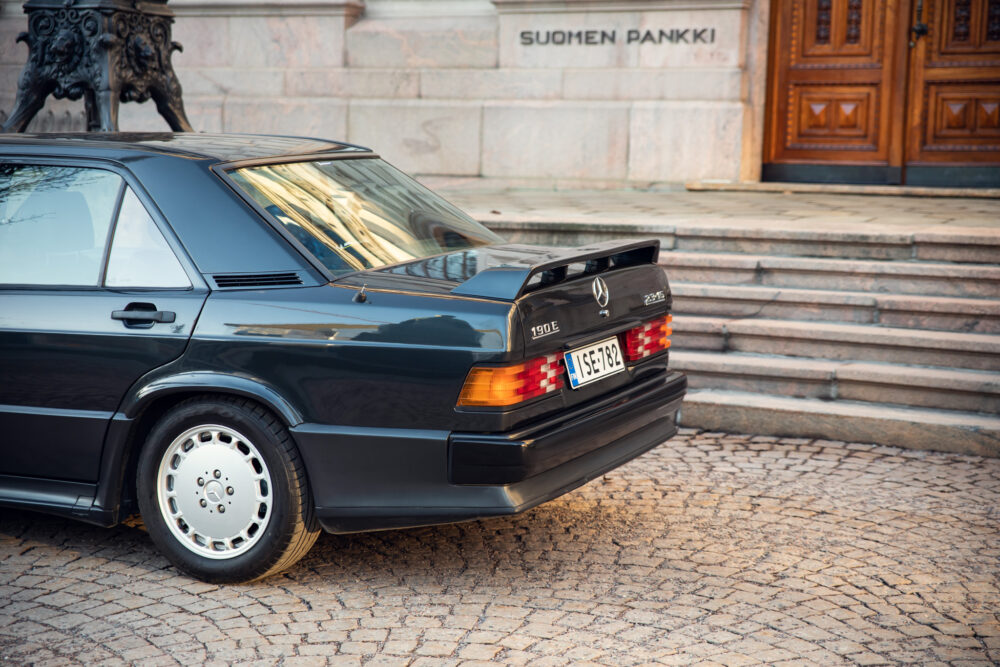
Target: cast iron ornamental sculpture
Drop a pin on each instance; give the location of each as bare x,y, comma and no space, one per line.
104,51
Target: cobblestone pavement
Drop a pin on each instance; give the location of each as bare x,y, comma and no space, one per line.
713,549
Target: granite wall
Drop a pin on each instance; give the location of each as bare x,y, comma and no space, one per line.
553,92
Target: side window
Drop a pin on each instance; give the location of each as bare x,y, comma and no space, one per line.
54,223
140,256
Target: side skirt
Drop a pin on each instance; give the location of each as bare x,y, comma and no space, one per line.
73,500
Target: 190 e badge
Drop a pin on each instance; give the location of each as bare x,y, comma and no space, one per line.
543,330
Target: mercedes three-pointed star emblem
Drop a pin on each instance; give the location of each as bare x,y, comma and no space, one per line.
601,293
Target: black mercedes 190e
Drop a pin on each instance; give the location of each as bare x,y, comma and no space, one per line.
249,338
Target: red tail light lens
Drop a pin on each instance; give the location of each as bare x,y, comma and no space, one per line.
507,385
648,339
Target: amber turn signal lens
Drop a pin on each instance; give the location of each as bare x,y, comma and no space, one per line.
499,386
648,339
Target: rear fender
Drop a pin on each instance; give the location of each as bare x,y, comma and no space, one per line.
206,381
119,447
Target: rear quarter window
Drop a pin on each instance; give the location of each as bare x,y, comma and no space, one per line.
140,256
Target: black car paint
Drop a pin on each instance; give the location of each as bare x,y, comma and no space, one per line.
396,360
367,388
67,365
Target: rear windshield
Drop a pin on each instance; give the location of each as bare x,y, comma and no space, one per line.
361,213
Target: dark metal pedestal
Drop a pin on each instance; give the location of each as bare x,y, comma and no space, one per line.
104,51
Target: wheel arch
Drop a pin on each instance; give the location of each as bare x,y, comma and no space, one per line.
206,382
139,412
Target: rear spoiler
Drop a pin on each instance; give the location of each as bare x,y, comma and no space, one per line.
510,282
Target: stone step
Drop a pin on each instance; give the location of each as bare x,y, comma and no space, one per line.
707,234
828,340
910,428
941,388
903,277
691,332
842,188
894,310
796,242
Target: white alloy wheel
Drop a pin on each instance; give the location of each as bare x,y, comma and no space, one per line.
214,491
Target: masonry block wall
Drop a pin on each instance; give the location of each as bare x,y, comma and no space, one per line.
592,92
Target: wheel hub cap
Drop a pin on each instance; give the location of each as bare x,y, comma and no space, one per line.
214,491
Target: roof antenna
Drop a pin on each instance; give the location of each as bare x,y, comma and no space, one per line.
362,294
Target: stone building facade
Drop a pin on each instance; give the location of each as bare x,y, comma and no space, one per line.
599,93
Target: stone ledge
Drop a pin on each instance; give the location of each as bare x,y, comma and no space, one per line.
349,9
836,341
955,235
860,334
853,342
775,367
771,303
945,379
874,267
692,332
910,428
593,6
768,294
852,267
835,302
710,260
942,379
436,8
910,386
754,229
837,188
727,227
777,242
939,304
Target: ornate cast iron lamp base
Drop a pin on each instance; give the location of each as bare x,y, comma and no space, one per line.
104,51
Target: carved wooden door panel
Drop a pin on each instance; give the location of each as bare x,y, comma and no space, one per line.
954,89
855,96
832,93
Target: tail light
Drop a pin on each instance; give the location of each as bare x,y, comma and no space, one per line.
506,385
648,339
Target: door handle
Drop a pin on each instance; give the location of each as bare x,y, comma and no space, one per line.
919,29
143,315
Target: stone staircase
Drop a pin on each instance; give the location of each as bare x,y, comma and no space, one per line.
884,337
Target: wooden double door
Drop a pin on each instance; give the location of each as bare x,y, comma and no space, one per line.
884,91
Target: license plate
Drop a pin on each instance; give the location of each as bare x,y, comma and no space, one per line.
587,364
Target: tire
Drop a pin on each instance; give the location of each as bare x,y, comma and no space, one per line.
223,491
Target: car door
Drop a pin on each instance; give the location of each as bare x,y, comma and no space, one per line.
94,292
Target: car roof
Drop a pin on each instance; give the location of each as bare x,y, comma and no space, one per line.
221,147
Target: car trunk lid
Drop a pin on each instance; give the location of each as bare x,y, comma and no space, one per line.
564,297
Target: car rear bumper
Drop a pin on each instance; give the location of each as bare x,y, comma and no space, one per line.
376,479
509,458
